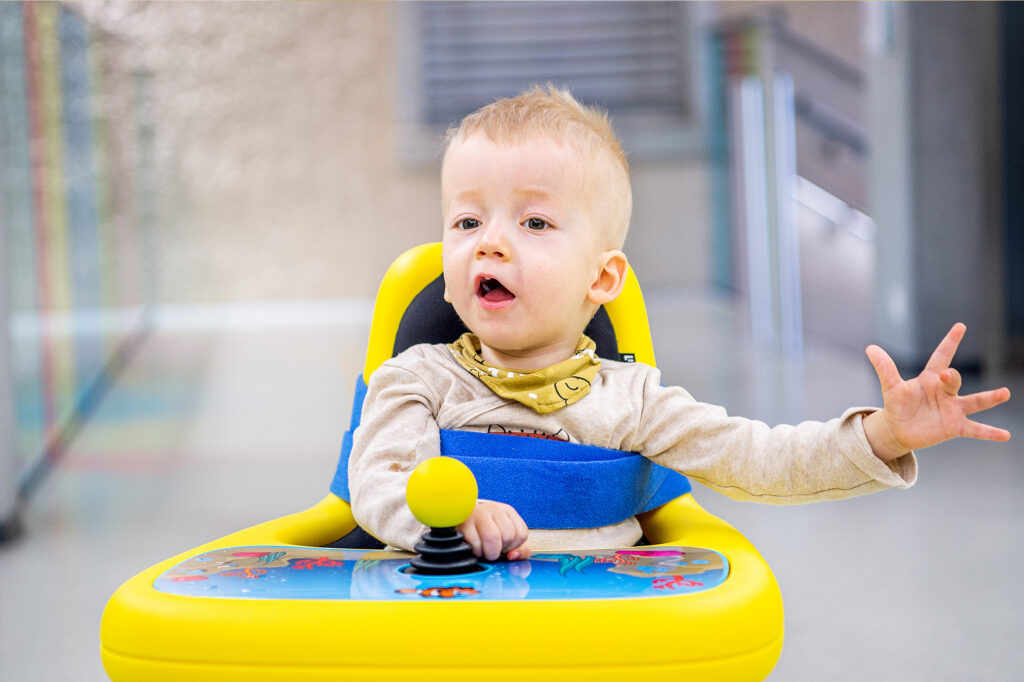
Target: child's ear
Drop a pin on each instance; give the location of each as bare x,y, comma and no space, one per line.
611,277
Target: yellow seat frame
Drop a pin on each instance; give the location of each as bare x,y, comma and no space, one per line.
731,632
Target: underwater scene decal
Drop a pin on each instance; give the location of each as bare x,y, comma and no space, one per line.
346,574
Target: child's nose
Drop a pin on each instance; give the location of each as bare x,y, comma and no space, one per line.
493,241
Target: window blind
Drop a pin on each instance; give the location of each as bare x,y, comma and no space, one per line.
628,57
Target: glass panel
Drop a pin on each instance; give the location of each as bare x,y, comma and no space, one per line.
74,149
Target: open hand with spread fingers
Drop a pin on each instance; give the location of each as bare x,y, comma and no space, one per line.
927,409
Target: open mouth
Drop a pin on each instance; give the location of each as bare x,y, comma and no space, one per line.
493,291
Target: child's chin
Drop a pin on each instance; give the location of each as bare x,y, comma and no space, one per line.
502,342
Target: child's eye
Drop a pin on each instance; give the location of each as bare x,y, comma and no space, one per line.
469,223
536,224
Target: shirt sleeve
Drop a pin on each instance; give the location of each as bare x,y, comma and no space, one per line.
748,460
398,430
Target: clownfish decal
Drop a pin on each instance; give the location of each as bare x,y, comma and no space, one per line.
440,592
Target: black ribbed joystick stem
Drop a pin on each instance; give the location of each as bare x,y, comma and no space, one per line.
443,551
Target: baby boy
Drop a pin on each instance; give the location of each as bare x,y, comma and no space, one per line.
536,203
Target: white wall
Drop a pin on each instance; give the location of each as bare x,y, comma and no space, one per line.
275,125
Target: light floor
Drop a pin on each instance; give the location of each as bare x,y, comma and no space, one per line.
213,428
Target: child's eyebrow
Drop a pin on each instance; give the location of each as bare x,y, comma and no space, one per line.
468,195
532,193
478,194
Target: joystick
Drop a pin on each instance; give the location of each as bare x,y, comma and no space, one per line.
441,493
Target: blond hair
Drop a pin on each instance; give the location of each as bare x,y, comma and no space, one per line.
556,113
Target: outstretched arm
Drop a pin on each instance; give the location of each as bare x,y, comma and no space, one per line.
928,409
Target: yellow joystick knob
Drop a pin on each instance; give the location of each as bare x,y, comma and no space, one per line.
441,492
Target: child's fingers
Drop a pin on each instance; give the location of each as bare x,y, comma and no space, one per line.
471,535
519,553
944,352
973,429
482,533
490,538
493,528
519,533
885,368
951,381
978,402
510,525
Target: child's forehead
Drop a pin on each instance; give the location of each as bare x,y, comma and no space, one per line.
536,168
567,143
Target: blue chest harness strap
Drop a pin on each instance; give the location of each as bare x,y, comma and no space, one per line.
552,484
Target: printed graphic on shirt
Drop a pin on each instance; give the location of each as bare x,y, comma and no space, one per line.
532,433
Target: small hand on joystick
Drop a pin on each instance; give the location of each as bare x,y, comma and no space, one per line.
441,493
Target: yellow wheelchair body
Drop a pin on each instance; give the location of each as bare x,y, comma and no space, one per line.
285,600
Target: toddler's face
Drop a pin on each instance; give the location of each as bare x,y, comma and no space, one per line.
522,241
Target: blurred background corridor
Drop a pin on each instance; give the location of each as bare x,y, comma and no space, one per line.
198,200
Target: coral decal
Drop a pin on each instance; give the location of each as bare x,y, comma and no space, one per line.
619,559
673,582
310,564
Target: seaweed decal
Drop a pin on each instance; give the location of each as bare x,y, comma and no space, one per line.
567,562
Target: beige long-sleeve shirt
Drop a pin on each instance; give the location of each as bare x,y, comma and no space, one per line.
414,395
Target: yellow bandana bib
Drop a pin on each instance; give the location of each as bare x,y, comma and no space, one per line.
542,390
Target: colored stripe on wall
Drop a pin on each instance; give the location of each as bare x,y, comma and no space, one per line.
68,118
80,196
41,207
57,228
19,222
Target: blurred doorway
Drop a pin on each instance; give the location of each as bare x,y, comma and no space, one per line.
793,235
1012,62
